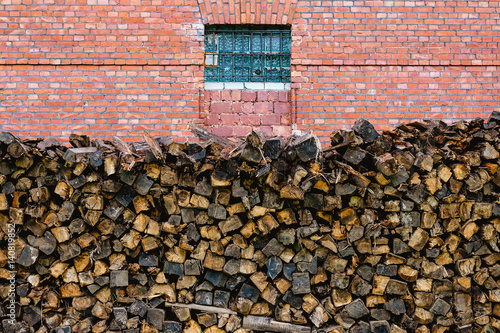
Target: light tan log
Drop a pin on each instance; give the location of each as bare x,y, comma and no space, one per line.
267,324
205,308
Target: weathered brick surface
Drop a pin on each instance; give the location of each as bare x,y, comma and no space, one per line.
389,95
101,101
115,67
101,32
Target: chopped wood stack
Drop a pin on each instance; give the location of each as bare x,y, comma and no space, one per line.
379,233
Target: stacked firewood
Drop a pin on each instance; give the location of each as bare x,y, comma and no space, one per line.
393,232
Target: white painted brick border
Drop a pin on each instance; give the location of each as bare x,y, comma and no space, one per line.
247,86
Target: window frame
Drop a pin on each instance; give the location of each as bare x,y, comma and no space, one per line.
273,54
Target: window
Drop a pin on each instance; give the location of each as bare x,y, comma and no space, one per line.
247,54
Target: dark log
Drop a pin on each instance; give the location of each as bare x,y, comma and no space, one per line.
307,147
256,139
16,149
7,138
365,129
251,154
354,155
272,148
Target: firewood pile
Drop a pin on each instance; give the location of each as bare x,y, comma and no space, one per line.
393,232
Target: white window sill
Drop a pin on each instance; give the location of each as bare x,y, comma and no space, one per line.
247,86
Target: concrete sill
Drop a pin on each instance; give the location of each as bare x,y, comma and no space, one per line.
247,86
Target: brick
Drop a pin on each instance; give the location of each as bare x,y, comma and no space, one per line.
221,107
241,131
250,119
273,96
254,85
215,95
236,95
282,108
268,130
248,108
286,119
237,107
262,95
248,96
233,85
282,131
226,94
212,119
263,107
223,131
270,119
229,119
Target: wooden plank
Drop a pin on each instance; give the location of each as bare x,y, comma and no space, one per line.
206,308
267,324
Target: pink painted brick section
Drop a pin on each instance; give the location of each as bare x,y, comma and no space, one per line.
258,110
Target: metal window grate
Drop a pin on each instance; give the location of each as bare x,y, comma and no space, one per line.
236,53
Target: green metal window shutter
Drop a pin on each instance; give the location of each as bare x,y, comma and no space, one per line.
239,53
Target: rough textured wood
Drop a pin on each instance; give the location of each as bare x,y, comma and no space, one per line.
155,147
266,324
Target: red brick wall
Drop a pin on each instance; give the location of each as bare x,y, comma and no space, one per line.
105,101
100,67
334,97
116,67
101,32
